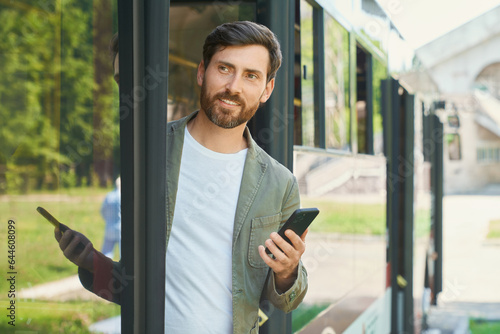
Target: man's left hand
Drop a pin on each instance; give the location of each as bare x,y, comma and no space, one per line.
286,260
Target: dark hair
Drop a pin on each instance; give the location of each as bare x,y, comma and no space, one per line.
113,48
241,33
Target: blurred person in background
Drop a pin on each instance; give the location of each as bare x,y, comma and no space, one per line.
111,212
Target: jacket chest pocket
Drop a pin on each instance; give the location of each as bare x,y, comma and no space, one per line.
262,227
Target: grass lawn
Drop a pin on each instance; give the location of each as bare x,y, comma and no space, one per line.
304,314
38,258
358,218
349,218
51,317
494,230
479,326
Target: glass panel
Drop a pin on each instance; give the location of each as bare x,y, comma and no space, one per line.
373,24
307,74
454,148
379,74
454,121
363,59
346,244
297,74
59,140
337,111
189,26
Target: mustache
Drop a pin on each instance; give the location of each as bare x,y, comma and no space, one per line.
228,96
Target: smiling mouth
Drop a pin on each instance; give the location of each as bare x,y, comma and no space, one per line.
232,103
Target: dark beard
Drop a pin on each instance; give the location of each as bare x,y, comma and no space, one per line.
223,117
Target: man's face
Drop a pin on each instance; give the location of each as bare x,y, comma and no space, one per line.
234,84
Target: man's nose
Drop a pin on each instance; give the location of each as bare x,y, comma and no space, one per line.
234,84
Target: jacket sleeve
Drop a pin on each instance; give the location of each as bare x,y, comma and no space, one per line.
290,299
108,279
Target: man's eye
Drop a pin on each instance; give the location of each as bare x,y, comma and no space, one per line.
252,76
223,68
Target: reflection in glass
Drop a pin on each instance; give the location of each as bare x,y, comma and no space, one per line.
346,255
453,121
454,148
373,24
363,99
379,74
307,76
59,136
337,111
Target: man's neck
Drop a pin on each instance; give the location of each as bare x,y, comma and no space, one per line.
216,138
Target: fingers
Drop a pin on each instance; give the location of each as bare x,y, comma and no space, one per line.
303,236
274,264
85,259
282,266
64,239
57,234
298,244
76,247
286,255
277,248
70,241
286,247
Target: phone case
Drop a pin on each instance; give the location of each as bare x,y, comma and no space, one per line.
298,222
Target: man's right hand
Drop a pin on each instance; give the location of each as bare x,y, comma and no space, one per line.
68,242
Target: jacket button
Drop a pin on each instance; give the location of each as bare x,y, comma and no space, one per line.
292,296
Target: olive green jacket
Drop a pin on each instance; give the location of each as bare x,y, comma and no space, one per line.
268,196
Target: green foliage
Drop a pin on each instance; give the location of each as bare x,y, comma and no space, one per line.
337,104
422,223
359,218
67,178
48,96
379,73
494,229
55,317
38,256
39,259
481,326
349,217
304,314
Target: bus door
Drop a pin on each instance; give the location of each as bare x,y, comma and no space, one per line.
399,125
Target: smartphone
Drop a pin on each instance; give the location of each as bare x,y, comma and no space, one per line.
298,222
63,228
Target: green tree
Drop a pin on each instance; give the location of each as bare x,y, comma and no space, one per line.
50,120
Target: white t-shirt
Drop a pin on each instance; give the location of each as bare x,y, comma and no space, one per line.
198,286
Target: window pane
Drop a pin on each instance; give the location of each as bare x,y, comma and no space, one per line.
363,103
189,26
454,149
336,85
307,77
379,74
59,135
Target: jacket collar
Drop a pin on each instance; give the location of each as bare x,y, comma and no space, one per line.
253,149
253,173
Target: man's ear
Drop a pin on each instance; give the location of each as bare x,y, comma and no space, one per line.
201,73
268,91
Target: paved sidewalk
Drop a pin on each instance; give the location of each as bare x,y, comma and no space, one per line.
471,263
65,289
